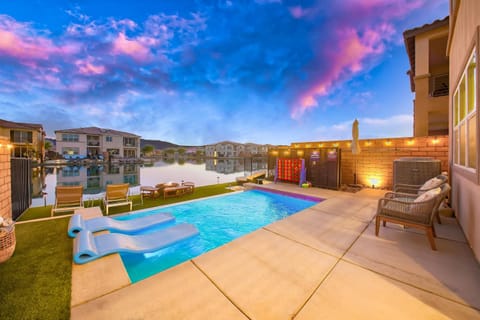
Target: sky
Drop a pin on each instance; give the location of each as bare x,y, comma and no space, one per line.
198,72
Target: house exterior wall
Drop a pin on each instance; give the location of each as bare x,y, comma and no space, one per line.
425,105
116,143
464,34
62,145
37,145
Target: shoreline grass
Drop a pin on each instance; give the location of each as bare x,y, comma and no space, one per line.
36,280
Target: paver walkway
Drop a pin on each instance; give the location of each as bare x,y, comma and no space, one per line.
322,263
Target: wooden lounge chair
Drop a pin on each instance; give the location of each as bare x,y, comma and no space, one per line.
67,198
190,185
116,195
177,191
412,210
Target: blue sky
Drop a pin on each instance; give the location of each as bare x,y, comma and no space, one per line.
198,72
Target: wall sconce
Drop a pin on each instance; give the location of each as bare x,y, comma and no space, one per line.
300,153
349,144
411,142
308,145
388,143
320,145
335,144
9,146
368,143
435,140
286,152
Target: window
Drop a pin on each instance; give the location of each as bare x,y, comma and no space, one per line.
21,136
108,138
129,142
70,137
465,117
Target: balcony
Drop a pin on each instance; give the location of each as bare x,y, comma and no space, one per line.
438,85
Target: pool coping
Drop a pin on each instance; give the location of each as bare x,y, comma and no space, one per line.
288,193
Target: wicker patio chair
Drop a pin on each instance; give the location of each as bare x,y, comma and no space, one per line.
67,198
416,190
116,195
411,210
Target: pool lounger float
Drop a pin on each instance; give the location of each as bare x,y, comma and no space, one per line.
87,247
77,223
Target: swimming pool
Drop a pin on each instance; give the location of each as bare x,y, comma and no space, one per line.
219,220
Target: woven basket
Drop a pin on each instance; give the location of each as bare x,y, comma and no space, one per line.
7,242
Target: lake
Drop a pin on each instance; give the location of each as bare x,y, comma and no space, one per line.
95,178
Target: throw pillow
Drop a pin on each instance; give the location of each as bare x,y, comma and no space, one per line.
430,184
428,195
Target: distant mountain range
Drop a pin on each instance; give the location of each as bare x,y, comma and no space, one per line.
158,144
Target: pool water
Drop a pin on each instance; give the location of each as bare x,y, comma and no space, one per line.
219,221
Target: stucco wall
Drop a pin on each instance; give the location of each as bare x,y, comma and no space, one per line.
465,187
424,103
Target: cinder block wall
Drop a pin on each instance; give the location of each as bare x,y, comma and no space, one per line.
5,184
374,164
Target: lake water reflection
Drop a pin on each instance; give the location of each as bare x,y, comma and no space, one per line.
95,178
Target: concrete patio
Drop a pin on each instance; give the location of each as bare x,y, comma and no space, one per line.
322,263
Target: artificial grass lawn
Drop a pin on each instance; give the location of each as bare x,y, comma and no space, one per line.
36,282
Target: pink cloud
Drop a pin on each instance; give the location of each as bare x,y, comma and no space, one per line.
87,67
351,44
345,59
20,41
134,48
14,45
